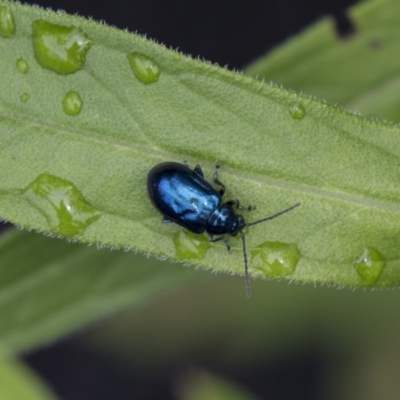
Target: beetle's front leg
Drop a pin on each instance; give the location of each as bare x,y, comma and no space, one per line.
223,238
235,202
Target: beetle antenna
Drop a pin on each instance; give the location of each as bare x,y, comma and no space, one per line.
273,216
246,269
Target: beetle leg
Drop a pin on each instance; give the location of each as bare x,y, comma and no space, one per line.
166,220
217,181
198,170
223,238
235,202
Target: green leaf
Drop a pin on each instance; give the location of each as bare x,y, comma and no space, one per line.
84,176
17,382
359,71
49,287
200,385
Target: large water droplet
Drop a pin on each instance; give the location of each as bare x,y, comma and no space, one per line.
7,22
60,48
298,111
24,97
370,265
144,68
72,103
63,205
189,246
275,258
22,66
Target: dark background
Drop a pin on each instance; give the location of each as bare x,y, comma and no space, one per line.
231,33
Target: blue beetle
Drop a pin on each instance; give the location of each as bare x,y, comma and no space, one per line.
184,196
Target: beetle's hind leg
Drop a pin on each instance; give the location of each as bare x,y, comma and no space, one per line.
198,170
235,202
166,220
223,238
217,181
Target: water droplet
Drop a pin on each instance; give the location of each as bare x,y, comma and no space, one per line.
189,246
22,66
298,111
24,97
144,68
275,258
370,265
61,49
7,22
72,103
63,205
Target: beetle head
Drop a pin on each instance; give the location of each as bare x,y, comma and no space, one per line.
238,225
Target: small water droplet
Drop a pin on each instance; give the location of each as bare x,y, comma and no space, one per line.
189,246
63,205
370,265
72,103
275,258
7,22
22,66
24,97
61,49
144,68
298,111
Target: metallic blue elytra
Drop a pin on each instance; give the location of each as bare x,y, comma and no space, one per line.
184,196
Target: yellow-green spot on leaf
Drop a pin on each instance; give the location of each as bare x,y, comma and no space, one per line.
298,111
61,49
72,103
275,259
24,97
7,22
370,265
17,382
145,68
189,246
66,210
22,66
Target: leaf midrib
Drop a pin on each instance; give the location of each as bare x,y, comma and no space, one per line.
355,199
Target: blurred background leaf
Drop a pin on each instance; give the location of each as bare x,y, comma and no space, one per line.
50,287
18,383
357,68
199,385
